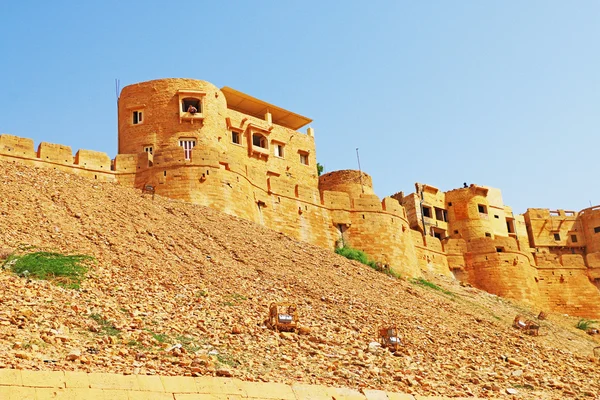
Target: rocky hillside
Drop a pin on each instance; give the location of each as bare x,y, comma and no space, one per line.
183,290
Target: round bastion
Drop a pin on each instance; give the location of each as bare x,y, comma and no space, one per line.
348,180
160,113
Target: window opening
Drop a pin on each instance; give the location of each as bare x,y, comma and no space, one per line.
187,145
279,150
440,214
427,212
487,234
574,238
148,149
482,208
597,229
557,236
496,216
191,105
259,141
137,117
510,226
499,249
235,137
304,158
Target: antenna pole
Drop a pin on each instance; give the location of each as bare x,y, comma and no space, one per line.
360,172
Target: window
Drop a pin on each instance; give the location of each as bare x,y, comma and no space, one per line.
496,216
449,204
487,234
304,158
597,229
187,145
235,137
557,236
441,214
137,117
482,208
499,249
427,212
278,150
574,238
259,141
148,149
191,105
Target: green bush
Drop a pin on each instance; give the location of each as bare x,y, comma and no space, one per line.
585,324
64,270
431,285
356,255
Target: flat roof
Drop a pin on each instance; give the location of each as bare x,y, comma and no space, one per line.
247,104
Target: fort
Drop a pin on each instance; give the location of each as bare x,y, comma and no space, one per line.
227,150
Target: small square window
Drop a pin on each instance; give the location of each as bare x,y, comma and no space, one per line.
191,105
304,158
574,238
497,216
487,234
137,117
235,137
148,149
482,208
597,229
455,232
427,212
557,236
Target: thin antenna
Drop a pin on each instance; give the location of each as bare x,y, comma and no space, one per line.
360,172
117,90
117,87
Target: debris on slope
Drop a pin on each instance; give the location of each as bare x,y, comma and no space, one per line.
184,290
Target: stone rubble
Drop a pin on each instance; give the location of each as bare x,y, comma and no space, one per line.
180,289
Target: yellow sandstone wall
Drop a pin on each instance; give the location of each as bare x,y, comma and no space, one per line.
249,162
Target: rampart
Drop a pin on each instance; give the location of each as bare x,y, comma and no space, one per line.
232,152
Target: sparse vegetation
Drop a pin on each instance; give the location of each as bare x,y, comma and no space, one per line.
356,255
105,326
585,324
431,285
362,257
64,270
320,169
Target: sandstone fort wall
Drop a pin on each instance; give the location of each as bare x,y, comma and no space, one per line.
229,151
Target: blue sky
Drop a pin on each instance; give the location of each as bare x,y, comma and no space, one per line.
499,93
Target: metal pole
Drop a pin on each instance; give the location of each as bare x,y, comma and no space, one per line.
360,172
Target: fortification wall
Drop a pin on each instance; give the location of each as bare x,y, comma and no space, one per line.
86,163
569,290
508,273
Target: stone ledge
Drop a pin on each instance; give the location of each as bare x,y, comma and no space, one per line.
75,385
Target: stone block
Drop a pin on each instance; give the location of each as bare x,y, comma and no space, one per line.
76,379
113,381
310,392
18,393
43,379
150,383
179,384
400,396
218,386
10,377
375,394
344,393
258,390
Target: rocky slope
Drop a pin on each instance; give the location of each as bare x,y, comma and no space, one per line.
180,289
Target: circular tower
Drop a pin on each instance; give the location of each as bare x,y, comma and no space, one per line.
171,112
349,181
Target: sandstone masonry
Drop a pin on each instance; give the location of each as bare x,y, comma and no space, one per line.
232,152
